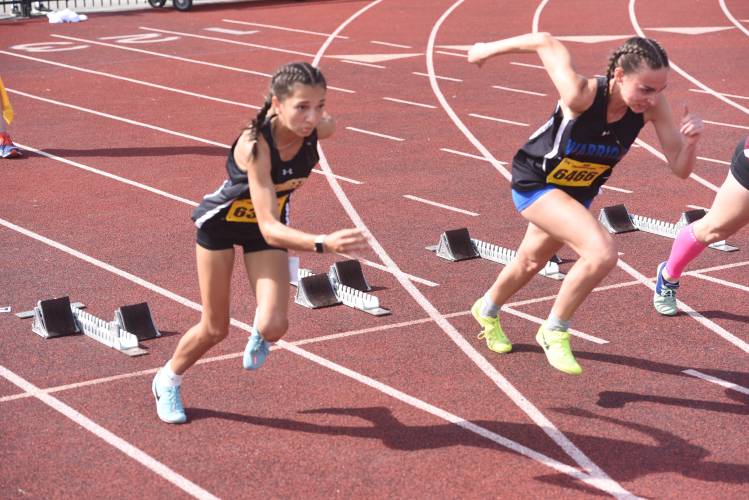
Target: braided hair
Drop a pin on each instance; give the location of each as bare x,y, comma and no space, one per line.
631,54
281,85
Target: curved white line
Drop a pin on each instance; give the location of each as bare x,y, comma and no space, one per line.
597,477
537,15
718,95
454,117
733,19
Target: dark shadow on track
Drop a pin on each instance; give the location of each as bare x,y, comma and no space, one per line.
624,460
129,152
616,399
713,314
736,377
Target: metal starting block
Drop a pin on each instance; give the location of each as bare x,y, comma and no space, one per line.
457,244
58,317
322,290
617,219
137,320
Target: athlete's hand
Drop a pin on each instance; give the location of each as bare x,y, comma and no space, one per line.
477,54
691,127
345,241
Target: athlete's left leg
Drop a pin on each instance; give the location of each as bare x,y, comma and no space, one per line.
268,272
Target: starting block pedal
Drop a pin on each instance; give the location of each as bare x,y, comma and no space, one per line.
653,226
457,244
322,290
54,318
137,319
349,273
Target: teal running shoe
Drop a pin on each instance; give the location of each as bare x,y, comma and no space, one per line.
169,406
255,352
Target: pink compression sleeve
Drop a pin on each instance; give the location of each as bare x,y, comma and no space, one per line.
684,250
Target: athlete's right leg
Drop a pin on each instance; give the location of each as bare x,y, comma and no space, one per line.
214,276
729,213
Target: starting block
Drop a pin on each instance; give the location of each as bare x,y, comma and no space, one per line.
617,219
457,244
58,317
137,320
54,318
322,290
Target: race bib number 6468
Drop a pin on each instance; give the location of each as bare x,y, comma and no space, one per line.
575,173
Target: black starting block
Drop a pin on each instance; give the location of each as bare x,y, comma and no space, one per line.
457,244
349,273
137,320
616,219
691,216
316,291
54,318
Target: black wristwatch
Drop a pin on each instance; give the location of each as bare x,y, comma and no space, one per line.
319,243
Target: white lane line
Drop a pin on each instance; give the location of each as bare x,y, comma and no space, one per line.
132,80
716,380
446,78
510,122
280,28
376,134
166,56
510,89
526,65
469,155
119,118
675,67
598,477
540,321
388,44
662,157
110,176
384,268
722,162
699,318
440,205
401,101
700,91
359,63
108,437
152,127
401,396
733,19
226,40
612,188
454,54
719,281
731,125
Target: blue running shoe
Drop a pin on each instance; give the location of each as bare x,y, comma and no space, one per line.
7,148
255,352
168,402
664,298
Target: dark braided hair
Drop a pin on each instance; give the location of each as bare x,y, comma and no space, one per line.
281,85
631,54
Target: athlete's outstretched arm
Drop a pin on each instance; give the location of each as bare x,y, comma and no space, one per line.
679,144
576,91
264,201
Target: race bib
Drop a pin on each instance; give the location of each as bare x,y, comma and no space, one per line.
575,173
244,211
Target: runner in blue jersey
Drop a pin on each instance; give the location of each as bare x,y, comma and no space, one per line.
268,161
559,171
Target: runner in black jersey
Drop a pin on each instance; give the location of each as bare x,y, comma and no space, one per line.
728,214
268,161
559,171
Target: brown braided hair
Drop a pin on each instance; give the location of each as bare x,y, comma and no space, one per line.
281,85
631,54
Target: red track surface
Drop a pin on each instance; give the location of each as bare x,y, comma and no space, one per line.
416,415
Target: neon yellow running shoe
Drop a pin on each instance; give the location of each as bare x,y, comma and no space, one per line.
556,346
492,330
